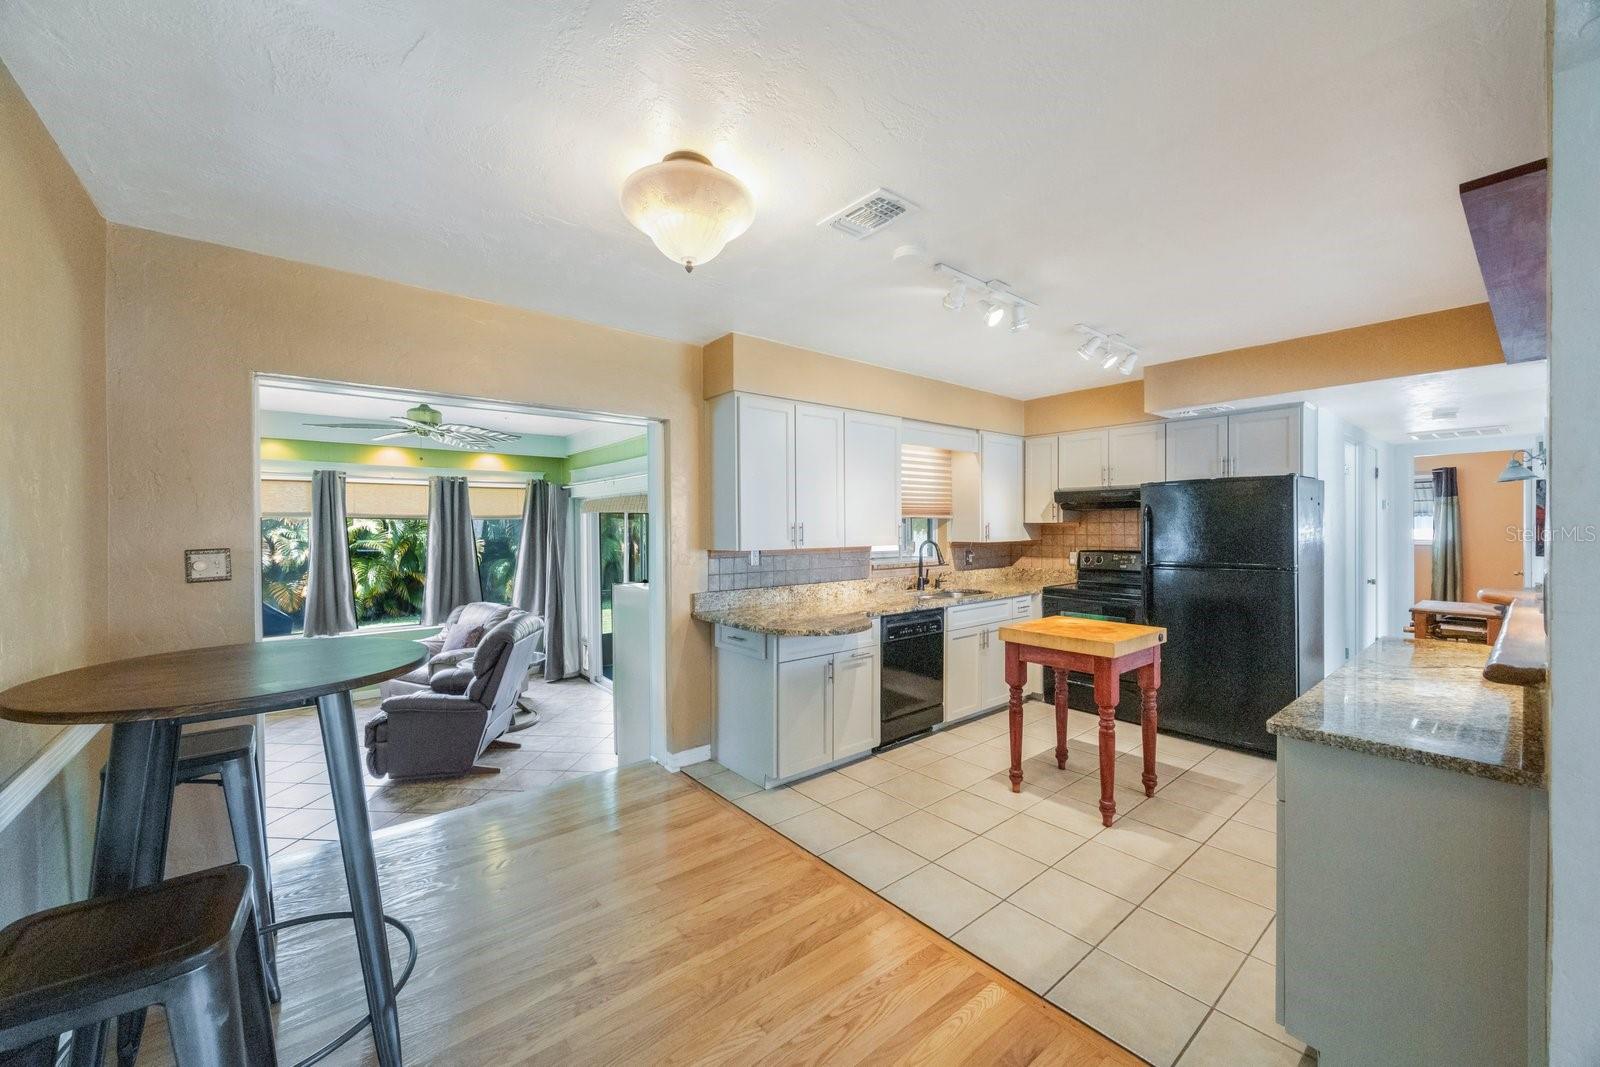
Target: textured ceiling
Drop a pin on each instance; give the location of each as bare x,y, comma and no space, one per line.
1199,176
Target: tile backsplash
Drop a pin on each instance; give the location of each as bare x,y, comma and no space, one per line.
733,570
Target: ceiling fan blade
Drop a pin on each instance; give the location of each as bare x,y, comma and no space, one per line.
352,425
395,434
477,433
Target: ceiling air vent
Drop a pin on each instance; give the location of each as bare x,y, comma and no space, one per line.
1456,434
1214,409
871,213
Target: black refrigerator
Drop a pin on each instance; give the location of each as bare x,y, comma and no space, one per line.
1233,570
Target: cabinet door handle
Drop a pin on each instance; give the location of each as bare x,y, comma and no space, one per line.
986,533
863,655
802,533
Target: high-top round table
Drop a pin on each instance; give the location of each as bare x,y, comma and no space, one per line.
148,699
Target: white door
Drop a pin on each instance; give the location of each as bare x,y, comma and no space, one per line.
1081,459
855,702
766,473
1039,480
1197,448
1371,546
1264,442
963,673
803,726
1137,454
871,479
818,476
1002,488
995,690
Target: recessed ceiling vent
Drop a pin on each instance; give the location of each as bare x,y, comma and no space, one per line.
1214,409
871,213
1453,434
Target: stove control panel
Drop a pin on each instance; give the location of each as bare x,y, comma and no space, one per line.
1101,560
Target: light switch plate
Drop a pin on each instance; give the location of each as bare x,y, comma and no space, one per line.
207,564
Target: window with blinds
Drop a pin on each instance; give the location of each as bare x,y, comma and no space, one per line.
378,499
925,482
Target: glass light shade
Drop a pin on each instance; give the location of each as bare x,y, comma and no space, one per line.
690,209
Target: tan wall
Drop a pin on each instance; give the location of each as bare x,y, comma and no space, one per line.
1489,556
1421,344
755,365
187,324
52,406
1108,405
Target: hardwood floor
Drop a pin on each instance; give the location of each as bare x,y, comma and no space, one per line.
636,917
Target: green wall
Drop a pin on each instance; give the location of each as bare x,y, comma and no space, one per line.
556,469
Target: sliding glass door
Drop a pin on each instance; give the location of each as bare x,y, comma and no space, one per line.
623,556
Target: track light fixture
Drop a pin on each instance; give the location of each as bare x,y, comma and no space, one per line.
1109,348
997,300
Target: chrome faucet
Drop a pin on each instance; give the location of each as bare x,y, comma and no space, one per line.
938,559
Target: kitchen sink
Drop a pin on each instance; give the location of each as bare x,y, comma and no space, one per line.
947,594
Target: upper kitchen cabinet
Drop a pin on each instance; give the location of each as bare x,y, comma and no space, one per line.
987,486
1039,481
1081,459
1136,454
791,475
1091,459
871,479
1268,441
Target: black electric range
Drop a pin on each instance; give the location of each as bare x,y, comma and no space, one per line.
1110,585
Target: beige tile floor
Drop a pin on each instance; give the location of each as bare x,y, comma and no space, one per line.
573,737
1157,931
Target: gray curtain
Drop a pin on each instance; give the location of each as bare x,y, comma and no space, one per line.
330,591
452,578
540,585
1446,535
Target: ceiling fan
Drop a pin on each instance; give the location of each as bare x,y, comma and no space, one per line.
426,422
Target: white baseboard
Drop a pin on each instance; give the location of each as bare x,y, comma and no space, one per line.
29,782
677,761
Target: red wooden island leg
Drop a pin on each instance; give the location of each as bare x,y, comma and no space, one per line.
1016,676
1061,717
1149,683
1105,699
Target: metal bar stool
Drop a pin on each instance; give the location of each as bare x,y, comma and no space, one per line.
188,944
230,753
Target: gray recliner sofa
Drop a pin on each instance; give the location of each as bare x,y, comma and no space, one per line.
455,643
443,729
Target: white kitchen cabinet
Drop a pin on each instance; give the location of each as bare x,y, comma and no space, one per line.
1001,459
1267,441
1136,454
1081,459
777,473
963,673
788,707
853,695
995,690
1264,442
818,477
1039,482
803,721
1197,448
871,479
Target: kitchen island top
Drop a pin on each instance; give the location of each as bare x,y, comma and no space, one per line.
1425,702
830,609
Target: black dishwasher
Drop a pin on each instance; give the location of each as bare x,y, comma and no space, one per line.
912,690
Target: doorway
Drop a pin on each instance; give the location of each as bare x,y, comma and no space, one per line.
622,554
1360,532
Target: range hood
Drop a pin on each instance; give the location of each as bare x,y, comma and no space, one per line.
1126,496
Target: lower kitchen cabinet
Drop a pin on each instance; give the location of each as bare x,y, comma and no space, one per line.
975,656
791,706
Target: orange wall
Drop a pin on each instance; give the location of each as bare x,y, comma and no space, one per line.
1489,555
756,365
1420,344
1108,405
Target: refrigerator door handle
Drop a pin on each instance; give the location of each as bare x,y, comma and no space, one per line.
1147,539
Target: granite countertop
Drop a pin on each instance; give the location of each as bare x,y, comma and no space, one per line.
830,609
1425,702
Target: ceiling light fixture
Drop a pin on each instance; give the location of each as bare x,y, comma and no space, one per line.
1109,348
998,298
1110,359
690,209
1524,465
1125,368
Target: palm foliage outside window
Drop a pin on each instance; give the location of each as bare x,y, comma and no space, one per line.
389,561
497,556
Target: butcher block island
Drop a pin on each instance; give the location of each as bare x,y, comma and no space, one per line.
1104,650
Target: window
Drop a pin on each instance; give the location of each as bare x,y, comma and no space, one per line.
913,532
624,557
497,556
1422,509
285,544
389,561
